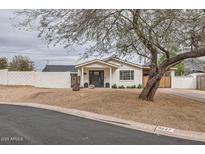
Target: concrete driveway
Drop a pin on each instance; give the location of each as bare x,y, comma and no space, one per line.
27,125
191,94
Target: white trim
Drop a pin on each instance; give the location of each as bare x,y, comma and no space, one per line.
94,61
110,77
82,76
127,80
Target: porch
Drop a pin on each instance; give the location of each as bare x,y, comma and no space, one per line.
96,73
100,77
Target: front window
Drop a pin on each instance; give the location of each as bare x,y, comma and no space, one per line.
127,75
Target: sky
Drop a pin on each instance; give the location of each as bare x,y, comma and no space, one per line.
18,42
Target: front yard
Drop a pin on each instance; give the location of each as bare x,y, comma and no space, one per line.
167,110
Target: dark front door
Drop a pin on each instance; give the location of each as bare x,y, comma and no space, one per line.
96,78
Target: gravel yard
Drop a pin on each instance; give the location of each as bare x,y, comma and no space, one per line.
167,109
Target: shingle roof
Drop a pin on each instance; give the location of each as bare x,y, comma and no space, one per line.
60,68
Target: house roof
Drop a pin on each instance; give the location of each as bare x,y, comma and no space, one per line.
59,68
123,61
194,66
94,61
105,61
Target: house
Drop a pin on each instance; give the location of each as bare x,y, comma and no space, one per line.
110,71
194,66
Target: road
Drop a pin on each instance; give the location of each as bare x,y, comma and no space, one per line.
27,125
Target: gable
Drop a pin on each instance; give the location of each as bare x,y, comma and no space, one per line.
123,65
97,64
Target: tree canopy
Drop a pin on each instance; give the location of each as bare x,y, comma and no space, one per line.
148,33
21,63
3,63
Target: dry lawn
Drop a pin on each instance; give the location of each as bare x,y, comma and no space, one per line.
166,110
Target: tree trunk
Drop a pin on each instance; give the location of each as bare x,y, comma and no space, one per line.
150,89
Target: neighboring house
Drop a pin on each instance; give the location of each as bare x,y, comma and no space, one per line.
194,66
195,74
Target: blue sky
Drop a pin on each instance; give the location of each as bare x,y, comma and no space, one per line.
18,42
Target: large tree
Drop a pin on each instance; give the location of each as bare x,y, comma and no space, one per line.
149,33
21,63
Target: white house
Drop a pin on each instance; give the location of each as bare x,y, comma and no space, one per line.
105,73
110,71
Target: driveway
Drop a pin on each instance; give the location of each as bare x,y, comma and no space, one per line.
196,95
27,125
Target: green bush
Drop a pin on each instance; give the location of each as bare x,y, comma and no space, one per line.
134,86
129,87
121,87
114,86
139,86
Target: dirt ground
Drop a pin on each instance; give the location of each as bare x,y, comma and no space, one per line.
167,110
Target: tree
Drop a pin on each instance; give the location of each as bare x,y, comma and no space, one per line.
21,63
180,69
3,63
125,32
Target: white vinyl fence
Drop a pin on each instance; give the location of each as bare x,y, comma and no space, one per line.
37,79
3,77
63,79
183,82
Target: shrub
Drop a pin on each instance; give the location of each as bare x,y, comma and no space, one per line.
134,86
114,86
139,86
121,87
128,87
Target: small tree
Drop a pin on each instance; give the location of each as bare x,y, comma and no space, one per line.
21,63
180,69
3,63
148,33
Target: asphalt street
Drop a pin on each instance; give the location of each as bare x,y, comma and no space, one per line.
27,125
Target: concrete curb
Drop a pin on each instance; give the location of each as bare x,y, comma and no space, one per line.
160,130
